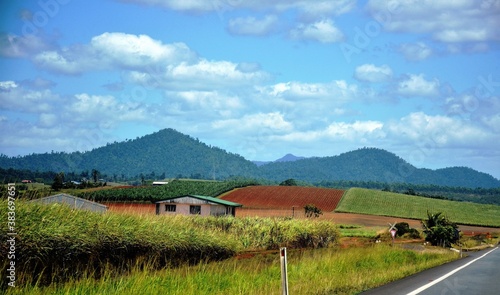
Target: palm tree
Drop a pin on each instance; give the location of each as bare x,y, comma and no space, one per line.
439,230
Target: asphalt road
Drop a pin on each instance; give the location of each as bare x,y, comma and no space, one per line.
478,273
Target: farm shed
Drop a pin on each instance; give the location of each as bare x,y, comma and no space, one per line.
195,204
73,202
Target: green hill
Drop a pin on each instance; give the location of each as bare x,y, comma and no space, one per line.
169,154
377,165
165,152
374,202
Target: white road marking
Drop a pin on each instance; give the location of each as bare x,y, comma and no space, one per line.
448,274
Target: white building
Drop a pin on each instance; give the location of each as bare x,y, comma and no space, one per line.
196,205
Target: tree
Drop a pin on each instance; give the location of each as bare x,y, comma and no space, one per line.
438,230
95,175
289,182
58,181
312,211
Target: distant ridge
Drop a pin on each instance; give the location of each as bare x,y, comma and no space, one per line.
289,158
285,158
169,153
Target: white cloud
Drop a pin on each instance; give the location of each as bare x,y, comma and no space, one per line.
445,21
138,51
7,85
415,51
416,85
18,99
213,104
323,31
338,90
114,51
252,123
105,111
372,73
253,26
437,131
308,8
203,75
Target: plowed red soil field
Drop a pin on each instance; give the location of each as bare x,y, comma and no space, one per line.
285,197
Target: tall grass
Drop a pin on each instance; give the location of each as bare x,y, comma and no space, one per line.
366,201
324,271
56,244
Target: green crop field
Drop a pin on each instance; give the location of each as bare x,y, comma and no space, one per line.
375,202
173,189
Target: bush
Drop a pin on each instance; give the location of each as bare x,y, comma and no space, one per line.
439,231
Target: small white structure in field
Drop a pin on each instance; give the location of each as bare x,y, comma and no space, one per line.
155,183
196,205
73,202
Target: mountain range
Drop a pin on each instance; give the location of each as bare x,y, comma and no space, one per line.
170,153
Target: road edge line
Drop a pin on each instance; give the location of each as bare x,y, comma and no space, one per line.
428,285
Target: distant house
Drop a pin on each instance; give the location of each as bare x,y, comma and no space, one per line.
73,202
160,182
196,205
26,181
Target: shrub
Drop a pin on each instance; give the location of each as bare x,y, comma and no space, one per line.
439,230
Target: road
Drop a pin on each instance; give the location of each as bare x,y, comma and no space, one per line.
478,273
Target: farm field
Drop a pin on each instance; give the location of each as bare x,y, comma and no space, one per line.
156,193
373,202
285,197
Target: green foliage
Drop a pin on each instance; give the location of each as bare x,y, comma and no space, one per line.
374,202
404,229
166,152
172,189
172,154
324,271
312,211
439,231
289,182
374,165
57,243
58,181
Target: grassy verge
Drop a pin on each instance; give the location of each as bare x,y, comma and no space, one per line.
374,202
323,271
358,231
56,244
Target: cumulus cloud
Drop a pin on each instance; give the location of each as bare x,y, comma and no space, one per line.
372,73
274,121
214,104
202,75
16,98
253,26
415,51
445,21
439,131
323,31
114,50
417,85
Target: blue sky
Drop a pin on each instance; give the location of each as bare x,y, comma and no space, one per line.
256,78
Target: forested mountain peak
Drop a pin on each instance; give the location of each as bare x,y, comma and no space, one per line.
169,153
